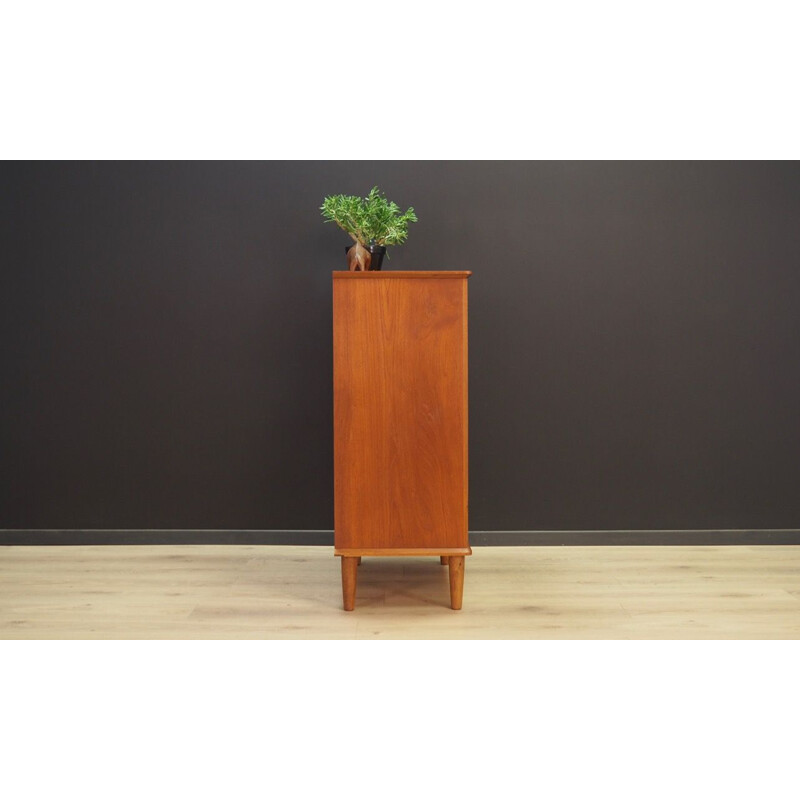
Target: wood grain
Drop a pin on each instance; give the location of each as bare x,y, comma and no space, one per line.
456,575
403,551
276,592
349,582
400,411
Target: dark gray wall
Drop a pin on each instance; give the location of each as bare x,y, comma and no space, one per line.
166,340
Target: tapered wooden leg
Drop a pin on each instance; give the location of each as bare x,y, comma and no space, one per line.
443,560
456,581
349,580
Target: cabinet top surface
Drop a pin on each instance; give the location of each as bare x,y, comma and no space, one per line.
370,274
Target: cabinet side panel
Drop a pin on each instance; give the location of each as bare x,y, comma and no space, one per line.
400,416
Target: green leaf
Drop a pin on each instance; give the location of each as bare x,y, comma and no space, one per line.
369,220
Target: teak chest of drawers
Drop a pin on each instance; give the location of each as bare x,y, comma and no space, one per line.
400,420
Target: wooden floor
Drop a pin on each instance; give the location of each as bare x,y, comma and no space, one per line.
231,592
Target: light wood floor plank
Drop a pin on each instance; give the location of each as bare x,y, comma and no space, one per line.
252,592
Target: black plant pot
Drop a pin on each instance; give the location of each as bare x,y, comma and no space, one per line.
376,251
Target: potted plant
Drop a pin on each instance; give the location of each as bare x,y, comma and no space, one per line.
373,223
